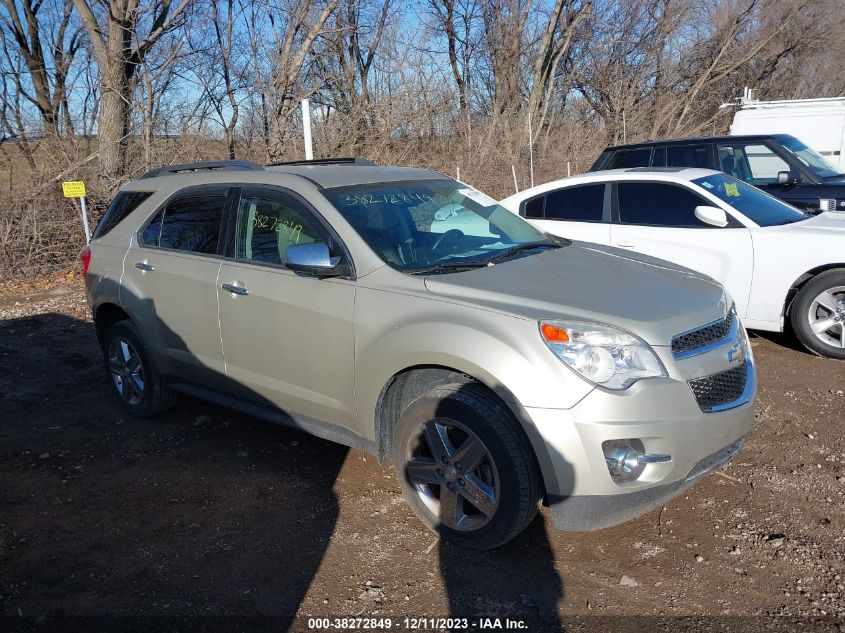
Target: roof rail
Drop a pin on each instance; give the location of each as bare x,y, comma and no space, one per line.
206,165
326,161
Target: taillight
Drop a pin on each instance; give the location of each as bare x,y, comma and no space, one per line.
85,256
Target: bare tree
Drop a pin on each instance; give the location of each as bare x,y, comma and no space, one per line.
299,30
115,29
47,45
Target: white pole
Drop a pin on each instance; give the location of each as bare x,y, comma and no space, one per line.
515,186
306,129
530,150
458,173
85,220
568,169
624,128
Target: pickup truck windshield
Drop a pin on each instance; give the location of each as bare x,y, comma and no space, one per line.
425,225
755,204
808,157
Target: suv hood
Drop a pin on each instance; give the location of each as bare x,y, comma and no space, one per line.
649,297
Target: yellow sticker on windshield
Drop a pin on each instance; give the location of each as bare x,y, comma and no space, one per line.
731,189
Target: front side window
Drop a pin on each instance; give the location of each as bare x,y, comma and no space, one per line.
659,204
268,224
625,158
188,223
576,204
753,163
414,224
757,205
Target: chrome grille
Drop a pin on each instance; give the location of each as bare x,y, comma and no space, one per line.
687,343
723,388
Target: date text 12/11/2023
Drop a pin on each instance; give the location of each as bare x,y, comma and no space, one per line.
416,624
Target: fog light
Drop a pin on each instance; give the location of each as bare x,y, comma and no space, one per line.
626,459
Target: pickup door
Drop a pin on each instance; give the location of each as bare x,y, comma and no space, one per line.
658,219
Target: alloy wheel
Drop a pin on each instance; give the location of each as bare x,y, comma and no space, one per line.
454,474
826,316
127,371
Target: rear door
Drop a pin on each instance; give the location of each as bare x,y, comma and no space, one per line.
287,337
580,212
170,279
658,219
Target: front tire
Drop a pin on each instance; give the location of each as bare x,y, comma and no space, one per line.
133,374
465,467
818,314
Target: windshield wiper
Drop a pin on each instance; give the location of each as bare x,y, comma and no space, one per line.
519,248
446,267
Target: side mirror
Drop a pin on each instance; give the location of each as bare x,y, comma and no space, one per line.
313,259
787,178
714,216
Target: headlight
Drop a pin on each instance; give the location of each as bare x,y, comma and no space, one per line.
603,355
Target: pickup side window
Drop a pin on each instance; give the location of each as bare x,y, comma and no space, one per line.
659,204
688,156
625,158
753,163
576,204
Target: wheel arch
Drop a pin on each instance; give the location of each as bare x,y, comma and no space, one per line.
801,281
105,316
410,383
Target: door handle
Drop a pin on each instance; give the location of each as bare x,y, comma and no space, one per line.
236,290
626,244
145,266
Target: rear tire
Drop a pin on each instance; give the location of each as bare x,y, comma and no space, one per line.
133,374
490,497
818,314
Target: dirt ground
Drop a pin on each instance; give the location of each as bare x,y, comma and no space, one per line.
204,512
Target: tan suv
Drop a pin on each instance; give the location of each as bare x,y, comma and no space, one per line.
409,315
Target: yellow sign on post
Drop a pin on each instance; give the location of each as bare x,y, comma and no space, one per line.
76,189
73,188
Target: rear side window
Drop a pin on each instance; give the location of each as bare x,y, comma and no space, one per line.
659,204
577,204
123,204
534,208
188,223
688,156
625,158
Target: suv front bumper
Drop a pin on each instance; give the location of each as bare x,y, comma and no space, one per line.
664,415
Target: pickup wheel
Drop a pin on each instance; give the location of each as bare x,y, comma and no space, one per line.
465,467
818,314
132,373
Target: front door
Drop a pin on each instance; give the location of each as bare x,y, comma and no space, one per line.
758,164
658,219
287,338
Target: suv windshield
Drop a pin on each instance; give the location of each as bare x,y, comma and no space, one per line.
757,205
808,157
427,225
